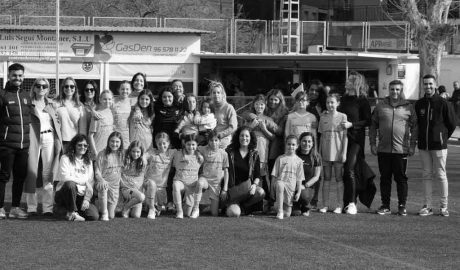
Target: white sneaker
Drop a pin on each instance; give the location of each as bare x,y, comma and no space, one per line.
105,217
306,213
195,213
151,214
351,209
324,209
16,212
74,216
125,213
2,213
280,215
179,214
338,210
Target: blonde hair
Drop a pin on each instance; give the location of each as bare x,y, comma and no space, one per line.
216,84
33,96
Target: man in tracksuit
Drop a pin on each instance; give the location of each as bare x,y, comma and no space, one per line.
436,123
14,138
394,122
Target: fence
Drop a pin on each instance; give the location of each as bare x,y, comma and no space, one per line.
125,22
51,20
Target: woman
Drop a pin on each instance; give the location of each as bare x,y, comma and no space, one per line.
70,112
138,83
75,181
90,100
224,112
167,116
244,173
356,106
317,98
45,145
179,95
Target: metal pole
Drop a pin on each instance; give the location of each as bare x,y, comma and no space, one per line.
57,47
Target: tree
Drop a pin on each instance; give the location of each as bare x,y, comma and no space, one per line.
430,27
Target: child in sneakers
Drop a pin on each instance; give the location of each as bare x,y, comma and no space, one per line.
300,120
311,167
101,129
132,179
156,177
215,168
187,163
287,175
333,150
108,167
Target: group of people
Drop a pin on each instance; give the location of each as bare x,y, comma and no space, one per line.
134,152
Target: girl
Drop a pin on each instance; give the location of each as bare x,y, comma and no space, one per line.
101,129
215,168
333,149
311,168
75,181
224,112
70,113
138,83
358,110
205,120
156,177
140,120
167,116
121,110
132,179
45,145
187,163
108,167
300,120
287,175
90,100
187,125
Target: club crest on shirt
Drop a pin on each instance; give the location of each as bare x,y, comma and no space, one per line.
25,101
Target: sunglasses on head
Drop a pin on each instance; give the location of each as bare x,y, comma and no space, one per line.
69,86
44,86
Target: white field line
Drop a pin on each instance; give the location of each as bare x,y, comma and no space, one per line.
338,244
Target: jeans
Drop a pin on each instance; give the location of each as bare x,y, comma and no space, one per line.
393,165
16,160
434,167
68,198
46,152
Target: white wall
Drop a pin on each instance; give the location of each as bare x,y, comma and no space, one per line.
450,71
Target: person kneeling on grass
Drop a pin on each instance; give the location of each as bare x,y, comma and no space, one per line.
75,181
215,168
244,174
132,179
287,175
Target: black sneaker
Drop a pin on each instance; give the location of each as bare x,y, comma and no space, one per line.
383,210
402,210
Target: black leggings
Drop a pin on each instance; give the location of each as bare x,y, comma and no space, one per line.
349,175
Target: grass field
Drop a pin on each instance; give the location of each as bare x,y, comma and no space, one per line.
321,241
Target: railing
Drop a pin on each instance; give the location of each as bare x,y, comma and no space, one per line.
261,36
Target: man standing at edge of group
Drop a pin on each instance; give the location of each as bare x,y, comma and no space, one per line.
455,99
396,122
436,123
14,139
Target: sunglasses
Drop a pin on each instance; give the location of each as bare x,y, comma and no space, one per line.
69,86
89,90
44,86
82,145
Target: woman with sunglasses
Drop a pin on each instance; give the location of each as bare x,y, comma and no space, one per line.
90,100
45,145
70,112
75,181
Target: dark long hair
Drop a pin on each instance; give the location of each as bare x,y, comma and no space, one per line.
159,102
97,92
313,152
73,146
150,108
119,152
144,76
139,163
235,144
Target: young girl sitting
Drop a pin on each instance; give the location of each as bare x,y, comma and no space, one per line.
132,178
108,167
215,168
300,120
100,130
287,175
205,120
333,149
156,177
311,168
187,163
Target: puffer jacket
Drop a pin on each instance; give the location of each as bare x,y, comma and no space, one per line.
436,122
14,117
396,125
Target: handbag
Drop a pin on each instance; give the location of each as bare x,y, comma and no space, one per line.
239,192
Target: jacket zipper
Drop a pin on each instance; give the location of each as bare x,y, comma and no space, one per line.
392,126
7,111
6,133
22,120
428,123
